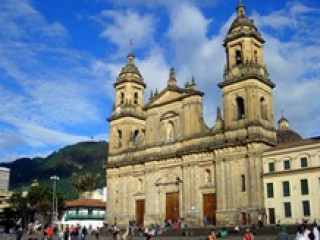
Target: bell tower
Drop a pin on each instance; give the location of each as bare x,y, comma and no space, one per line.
246,89
127,123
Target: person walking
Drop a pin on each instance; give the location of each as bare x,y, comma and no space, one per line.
96,233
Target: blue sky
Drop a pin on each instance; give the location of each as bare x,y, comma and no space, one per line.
59,59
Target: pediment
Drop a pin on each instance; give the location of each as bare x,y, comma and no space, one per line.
170,178
167,96
168,115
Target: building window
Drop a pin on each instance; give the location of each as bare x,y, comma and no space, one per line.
304,162
243,183
119,138
286,164
286,189
304,187
306,208
269,190
240,108
122,98
271,167
287,209
135,100
238,57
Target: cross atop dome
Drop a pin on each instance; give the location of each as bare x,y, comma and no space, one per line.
241,9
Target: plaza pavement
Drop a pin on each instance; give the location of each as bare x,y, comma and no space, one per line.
268,233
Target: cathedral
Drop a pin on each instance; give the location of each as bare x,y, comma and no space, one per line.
166,163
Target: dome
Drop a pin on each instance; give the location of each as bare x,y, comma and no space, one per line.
285,134
130,67
242,21
242,26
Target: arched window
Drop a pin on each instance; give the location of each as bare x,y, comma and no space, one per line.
170,131
136,137
263,109
122,98
208,176
240,108
119,138
135,98
238,57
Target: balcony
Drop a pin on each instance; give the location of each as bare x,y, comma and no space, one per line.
84,216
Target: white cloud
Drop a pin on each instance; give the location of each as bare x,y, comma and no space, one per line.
126,26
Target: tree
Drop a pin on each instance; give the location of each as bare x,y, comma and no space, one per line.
86,183
20,207
40,202
37,201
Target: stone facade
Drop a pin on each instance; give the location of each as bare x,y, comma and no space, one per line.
165,162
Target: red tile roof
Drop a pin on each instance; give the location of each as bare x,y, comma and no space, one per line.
87,203
303,142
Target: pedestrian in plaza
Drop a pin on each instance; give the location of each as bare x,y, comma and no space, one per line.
302,233
315,230
19,233
212,235
248,235
84,233
283,235
96,233
66,234
205,221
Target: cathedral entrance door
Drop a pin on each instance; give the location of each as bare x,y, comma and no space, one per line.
172,206
209,207
140,207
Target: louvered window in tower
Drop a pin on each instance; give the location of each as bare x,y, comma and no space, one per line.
122,98
135,99
263,109
240,108
136,137
119,138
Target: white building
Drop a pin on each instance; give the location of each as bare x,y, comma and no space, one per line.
4,187
84,212
291,178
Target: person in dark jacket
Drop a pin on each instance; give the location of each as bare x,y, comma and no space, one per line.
283,235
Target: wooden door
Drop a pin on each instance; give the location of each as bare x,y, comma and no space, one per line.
209,208
272,219
172,206
140,208
244,220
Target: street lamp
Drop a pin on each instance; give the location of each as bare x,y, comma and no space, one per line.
54,199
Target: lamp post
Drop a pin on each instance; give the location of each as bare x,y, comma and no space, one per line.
54,199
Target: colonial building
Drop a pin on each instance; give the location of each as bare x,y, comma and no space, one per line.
84,212
165,162
291,177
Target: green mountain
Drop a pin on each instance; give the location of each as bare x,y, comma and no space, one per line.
68,163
